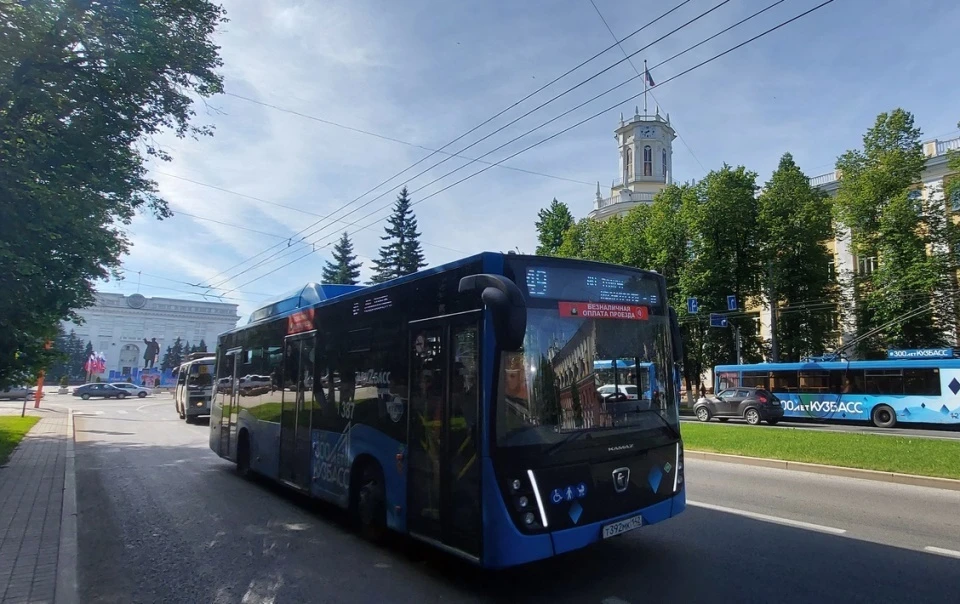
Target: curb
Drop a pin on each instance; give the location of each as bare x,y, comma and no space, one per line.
67,589
799,466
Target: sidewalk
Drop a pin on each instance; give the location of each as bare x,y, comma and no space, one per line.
32,509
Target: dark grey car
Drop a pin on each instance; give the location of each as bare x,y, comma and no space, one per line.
752,404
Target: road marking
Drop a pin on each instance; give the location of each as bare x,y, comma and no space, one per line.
142,407
121,412
943,552
766,518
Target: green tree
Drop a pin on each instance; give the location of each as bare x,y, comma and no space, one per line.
891,223
202,346
794,222
552,224
174,355
345,269
617,240
84,88
724,259
402,255
668,241
952,234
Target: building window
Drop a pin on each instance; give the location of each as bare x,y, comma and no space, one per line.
647,161
832,270
628,161
663,157
955,199
866,266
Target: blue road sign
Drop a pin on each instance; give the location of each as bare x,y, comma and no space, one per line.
731,303
717,320
692,306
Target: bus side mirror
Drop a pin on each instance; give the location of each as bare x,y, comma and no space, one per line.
675,338
505,301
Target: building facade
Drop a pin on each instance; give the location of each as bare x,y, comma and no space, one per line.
120,326
646,164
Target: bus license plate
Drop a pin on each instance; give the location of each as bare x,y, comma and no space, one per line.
618,528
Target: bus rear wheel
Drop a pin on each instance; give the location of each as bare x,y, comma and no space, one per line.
369,502
884,416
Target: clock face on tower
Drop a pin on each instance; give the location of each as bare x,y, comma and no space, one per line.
647,132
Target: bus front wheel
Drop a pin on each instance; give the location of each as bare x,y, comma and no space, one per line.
243,455
369,501
884,416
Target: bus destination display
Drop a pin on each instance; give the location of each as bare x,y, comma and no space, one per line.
574,284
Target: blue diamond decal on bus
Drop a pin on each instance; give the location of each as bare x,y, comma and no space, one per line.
954,386
667,467
944,410
575,512
654,478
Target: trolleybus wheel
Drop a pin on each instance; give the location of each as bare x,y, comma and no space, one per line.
884,416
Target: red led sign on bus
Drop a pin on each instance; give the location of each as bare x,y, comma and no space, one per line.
602,310
300,321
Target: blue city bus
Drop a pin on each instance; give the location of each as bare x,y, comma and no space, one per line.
459,404
885,392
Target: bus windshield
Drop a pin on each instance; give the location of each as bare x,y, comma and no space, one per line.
201,375
588,366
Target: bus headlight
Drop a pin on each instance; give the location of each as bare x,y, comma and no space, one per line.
522,495
678,476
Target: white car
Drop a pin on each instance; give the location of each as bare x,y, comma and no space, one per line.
133,389
627,391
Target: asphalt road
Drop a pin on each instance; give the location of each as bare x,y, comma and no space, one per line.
163,519
925,431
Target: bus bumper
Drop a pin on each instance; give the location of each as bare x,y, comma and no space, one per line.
575,538
505,546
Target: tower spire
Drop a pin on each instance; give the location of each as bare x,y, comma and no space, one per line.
598,191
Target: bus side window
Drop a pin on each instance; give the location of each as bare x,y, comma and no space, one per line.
785,381
921,382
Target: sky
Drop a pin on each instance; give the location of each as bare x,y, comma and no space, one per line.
288,160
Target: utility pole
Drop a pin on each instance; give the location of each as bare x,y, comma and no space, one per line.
772,294
736,340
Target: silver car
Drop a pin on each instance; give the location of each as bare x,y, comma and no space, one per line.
17,393
133,389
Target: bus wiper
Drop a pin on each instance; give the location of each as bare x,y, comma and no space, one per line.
566,439
656,412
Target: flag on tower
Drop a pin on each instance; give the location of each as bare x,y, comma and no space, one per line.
648,77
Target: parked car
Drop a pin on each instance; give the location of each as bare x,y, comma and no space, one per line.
18,393
99,390
133,389
752,404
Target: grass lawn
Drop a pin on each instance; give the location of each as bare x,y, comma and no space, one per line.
12,430
906,455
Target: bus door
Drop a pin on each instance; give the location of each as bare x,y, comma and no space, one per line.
296,408
229,392
443,481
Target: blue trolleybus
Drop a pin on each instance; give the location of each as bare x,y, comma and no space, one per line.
882,392
461,405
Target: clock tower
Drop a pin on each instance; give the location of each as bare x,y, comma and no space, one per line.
646,163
